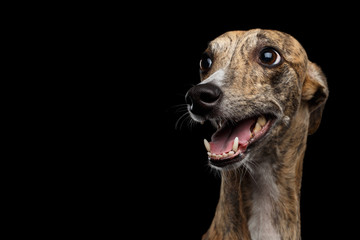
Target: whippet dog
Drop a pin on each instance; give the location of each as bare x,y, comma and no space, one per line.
264,96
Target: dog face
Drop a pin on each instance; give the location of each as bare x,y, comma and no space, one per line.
253,84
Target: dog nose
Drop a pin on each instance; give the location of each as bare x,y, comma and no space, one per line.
203,98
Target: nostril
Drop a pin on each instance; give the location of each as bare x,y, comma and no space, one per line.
209,95
203,98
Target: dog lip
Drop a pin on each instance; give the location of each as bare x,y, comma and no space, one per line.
227,161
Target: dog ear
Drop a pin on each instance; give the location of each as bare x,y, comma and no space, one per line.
315,92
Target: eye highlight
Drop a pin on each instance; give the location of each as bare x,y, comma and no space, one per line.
205,62
269,57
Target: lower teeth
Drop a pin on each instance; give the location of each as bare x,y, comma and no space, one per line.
223,155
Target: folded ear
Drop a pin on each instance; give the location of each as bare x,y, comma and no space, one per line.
315,92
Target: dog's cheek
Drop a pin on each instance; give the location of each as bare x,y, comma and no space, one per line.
276,77
286,90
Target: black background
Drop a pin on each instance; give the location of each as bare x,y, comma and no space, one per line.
165,186
183,190
124,169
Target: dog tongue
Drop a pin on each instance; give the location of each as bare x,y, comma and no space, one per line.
222,140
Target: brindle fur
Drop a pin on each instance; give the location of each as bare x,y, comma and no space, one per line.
269,179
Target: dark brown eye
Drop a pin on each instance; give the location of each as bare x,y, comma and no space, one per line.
270,57
205,62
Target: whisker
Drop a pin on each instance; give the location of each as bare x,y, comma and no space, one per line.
181,119
251,175
180,110
216,172
179,105
247,165
189,121
243,172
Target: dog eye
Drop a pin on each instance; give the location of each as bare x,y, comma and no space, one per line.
270,57
205,62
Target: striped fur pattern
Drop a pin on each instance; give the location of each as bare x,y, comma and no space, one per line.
259,198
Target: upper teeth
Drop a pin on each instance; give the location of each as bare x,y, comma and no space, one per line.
236,144
257,128
262,121
207,145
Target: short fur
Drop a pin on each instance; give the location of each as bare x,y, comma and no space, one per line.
259,197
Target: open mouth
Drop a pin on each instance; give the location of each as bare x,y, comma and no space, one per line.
230,142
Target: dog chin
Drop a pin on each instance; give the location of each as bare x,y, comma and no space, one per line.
235,164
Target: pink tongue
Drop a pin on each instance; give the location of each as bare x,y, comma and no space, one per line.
223,139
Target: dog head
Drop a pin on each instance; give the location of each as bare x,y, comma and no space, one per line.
253,84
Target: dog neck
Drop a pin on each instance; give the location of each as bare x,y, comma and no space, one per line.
264,202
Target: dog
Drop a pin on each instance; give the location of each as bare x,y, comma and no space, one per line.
264,97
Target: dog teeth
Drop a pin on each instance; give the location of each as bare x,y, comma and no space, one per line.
207,145
262,121
222,155
257,128
236,144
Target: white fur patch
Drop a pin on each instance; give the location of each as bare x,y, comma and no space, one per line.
265,193
216,78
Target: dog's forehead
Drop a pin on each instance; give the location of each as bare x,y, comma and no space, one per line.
236,40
